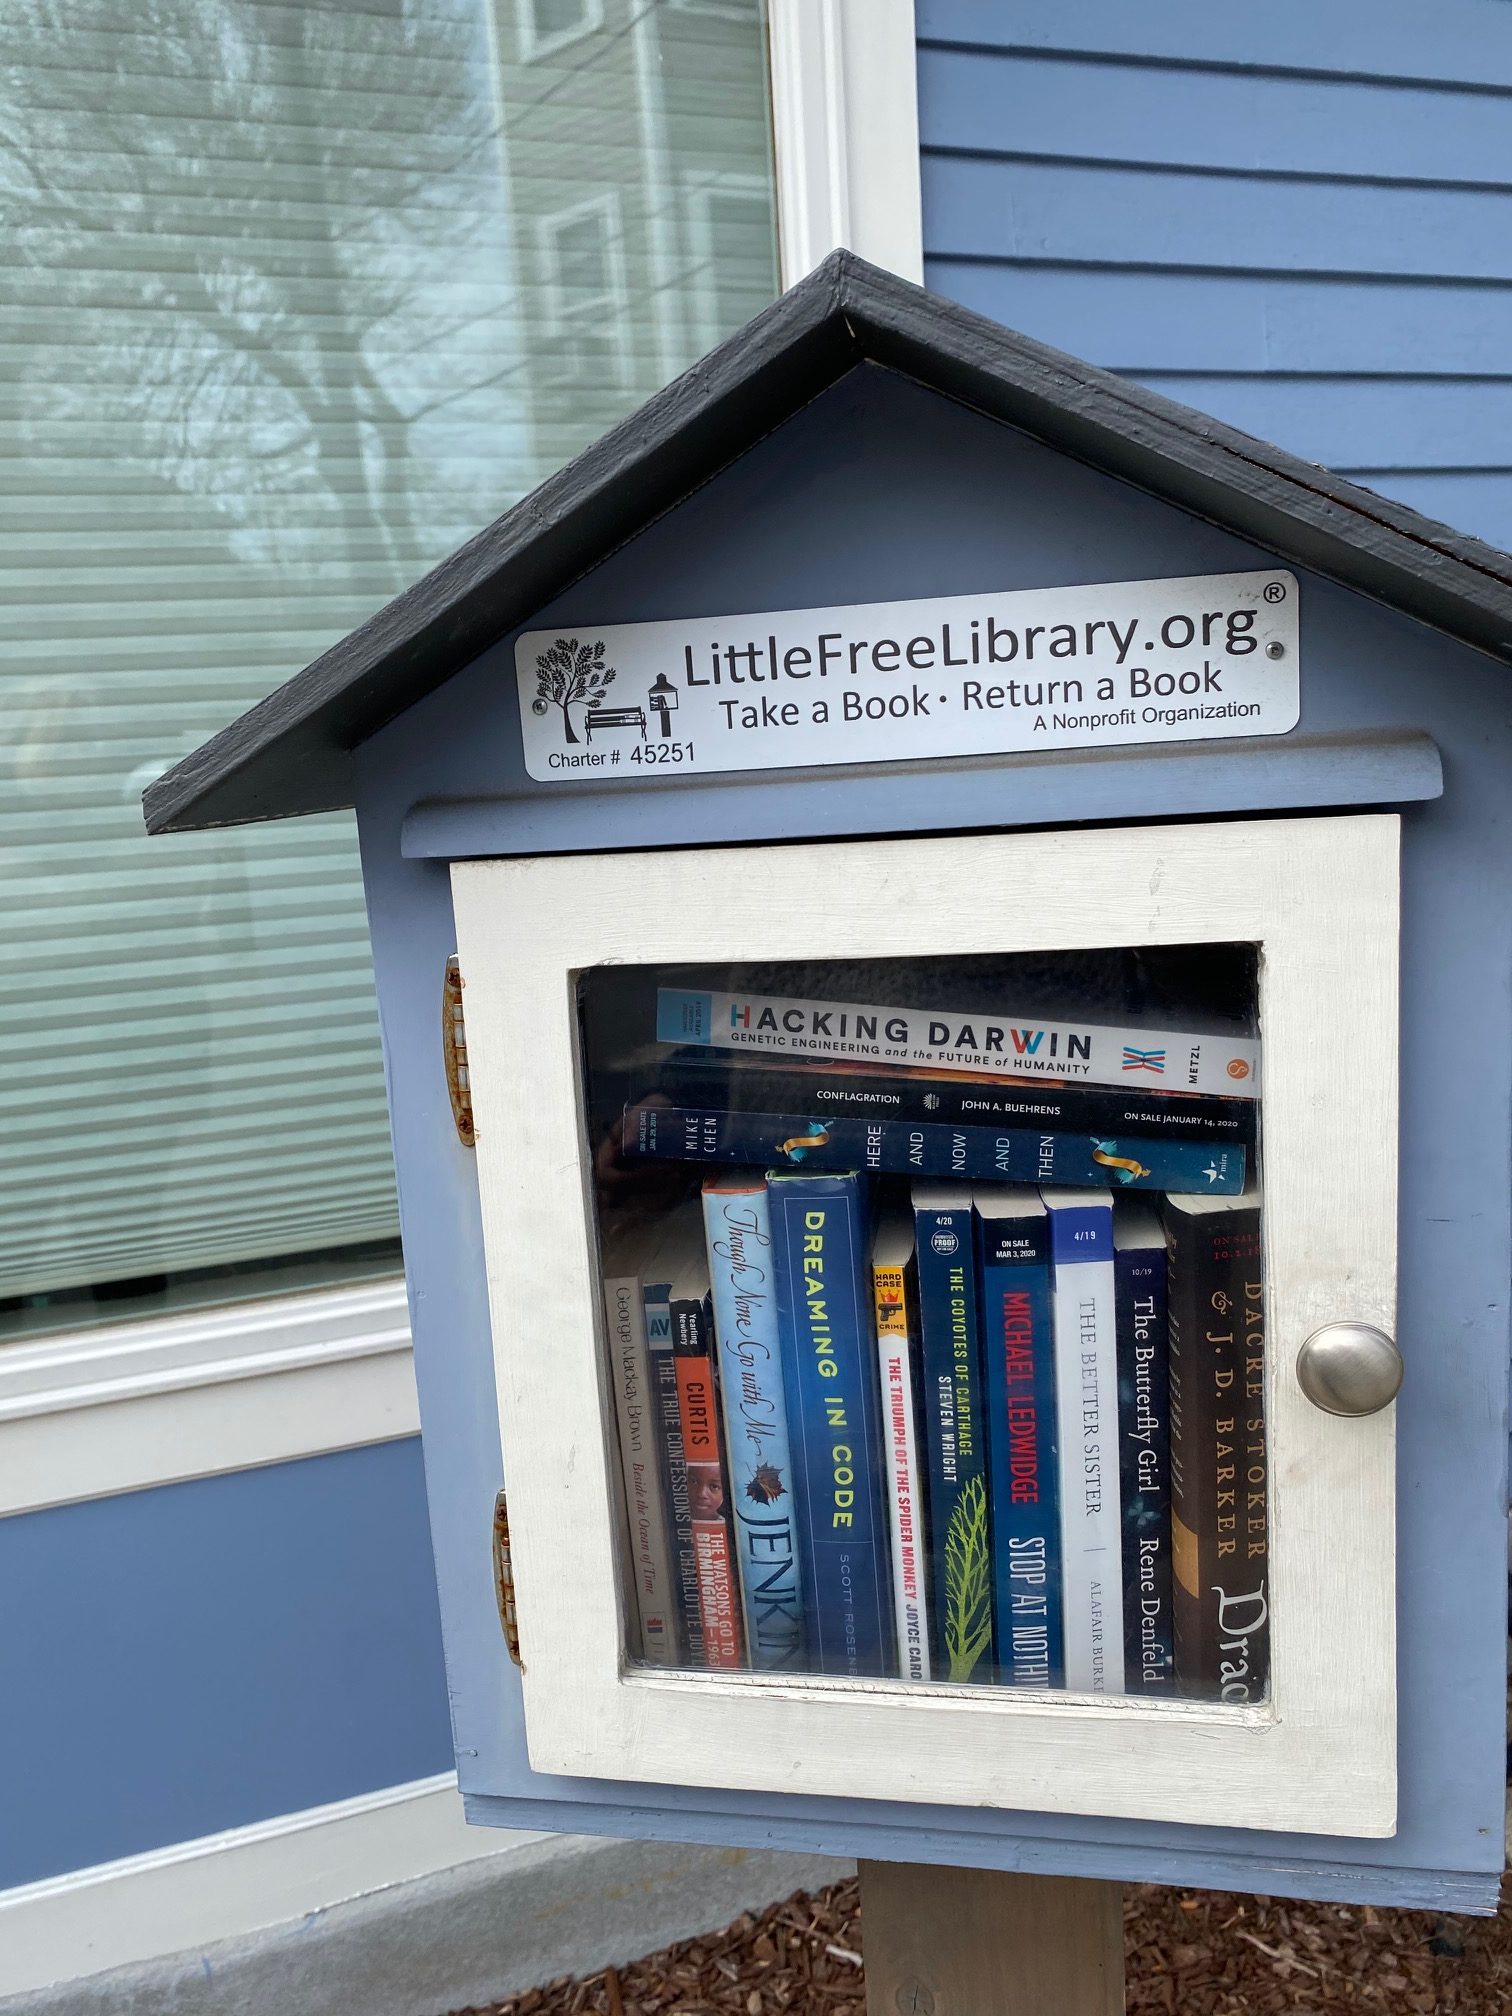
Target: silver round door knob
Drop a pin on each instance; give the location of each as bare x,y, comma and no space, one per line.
1350,1368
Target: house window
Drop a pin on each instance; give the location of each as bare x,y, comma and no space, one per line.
583,272
548,25
293,324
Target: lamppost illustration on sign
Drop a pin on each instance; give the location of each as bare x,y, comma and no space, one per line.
663,698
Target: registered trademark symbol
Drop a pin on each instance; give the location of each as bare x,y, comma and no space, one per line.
1275,591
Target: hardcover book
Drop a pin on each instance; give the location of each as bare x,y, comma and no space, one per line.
1219,1483
708,1478
918,1148
656,1303
1086,1383
738,1233
895,1293
759,1083
1001,1044
819,1235
1144,1446
640,1458
1018,1352
960,1543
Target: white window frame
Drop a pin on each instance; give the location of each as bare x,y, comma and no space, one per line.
562,319
1320,898
534,46
125,1406
845,118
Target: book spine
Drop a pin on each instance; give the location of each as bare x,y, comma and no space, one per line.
708,1513
635,1403
916,1148
1018,1345
1144,1461
971,1041
667,1425
905,1501
1219,1480
960,1553
755,1085
829,1364
738,1231
1086,1384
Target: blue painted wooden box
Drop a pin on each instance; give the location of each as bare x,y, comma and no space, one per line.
859,443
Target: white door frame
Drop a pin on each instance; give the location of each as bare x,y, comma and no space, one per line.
1320,898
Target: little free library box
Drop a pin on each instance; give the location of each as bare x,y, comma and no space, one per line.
943,930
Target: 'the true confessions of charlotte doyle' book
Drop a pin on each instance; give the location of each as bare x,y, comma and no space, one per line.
975,1040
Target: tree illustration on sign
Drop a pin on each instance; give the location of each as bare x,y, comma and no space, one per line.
568,673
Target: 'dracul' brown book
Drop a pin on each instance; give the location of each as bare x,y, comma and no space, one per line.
1219,1476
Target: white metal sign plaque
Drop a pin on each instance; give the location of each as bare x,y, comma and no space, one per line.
971,675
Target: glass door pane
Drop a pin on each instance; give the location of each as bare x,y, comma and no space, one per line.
934,1301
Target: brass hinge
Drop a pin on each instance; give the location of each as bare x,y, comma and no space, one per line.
504,1591
454,1049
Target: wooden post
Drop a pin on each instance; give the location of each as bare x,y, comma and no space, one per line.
974,1942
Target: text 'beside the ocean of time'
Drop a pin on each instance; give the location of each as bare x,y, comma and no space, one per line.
1045,668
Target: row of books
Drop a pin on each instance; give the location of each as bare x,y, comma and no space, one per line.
998,1434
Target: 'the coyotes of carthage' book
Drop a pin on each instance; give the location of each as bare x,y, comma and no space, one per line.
976,1040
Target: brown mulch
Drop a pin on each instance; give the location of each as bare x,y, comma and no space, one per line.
1189,1953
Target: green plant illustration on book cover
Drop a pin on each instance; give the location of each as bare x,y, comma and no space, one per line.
968,1582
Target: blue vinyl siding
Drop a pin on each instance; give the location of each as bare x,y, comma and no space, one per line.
1298,218
200,1656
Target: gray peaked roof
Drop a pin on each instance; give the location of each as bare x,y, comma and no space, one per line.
292,752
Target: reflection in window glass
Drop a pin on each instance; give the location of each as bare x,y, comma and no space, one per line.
300,296
934,1312
556,21
583,275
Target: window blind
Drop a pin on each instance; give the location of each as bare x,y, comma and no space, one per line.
299,295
